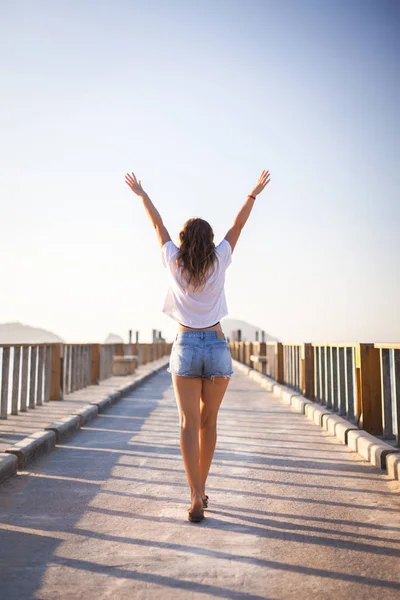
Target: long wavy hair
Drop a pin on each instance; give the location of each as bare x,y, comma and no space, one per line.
196,252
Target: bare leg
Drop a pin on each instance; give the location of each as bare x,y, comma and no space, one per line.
187,394
212,394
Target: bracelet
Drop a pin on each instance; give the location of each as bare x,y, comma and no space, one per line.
250,196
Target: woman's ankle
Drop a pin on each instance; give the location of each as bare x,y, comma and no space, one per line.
196,494
196,498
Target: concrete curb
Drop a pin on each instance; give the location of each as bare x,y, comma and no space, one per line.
24,452
32,446
315,413
393,465
299,404
378,453
338,426
370,447
87,413
64,427
8,466
115,396
102,404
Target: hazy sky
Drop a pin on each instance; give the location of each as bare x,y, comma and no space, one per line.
197,97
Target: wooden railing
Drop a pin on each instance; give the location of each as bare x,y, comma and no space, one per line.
361,382
31,374
77,367
389,355
25,377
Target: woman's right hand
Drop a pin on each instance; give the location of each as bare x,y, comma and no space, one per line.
263,180
134,184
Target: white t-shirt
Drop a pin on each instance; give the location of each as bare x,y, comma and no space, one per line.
197,309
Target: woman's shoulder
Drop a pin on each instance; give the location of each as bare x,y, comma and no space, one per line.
170,245
223,246
224,251
168,251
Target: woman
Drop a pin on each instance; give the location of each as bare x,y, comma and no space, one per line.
200,361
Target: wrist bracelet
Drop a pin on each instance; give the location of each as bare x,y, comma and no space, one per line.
250,196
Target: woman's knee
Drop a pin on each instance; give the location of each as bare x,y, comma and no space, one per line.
188,423
208,419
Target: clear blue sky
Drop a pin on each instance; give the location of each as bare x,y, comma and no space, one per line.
197,98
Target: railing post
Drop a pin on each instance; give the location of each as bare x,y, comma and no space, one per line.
118,349
47,375
40,362
386,394
32,378
307,371
95,364
78,367
242,352
24,378
250,363
15,381
56,372
351,376
396,392
73,368
88,365
279,362
144,354
342,381
4,382
369,404
263,352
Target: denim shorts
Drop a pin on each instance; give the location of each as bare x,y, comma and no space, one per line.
200,354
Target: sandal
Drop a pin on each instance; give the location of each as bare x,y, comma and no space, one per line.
196,516
205,502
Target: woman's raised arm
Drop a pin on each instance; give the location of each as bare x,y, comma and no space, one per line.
151,211
240,220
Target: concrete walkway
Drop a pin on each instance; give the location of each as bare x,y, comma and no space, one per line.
293,513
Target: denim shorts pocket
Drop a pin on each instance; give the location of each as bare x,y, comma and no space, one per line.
181,359
221,360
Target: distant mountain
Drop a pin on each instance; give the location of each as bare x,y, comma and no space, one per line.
17,333
113,338
248,331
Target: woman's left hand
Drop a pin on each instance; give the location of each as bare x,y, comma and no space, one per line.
262,181
134,184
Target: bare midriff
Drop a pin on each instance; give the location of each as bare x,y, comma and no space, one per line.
215,327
